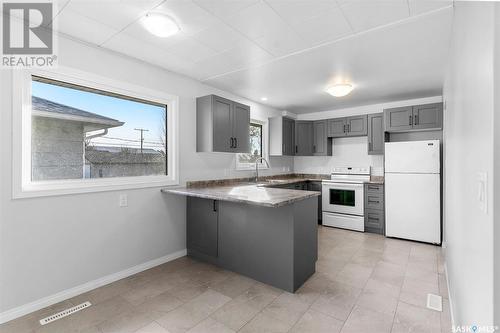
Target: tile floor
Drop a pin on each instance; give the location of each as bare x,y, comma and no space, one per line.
363,283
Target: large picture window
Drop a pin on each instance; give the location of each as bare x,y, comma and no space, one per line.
83,133
78,132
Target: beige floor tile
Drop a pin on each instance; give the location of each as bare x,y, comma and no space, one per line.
126,322
382,287
366,258
354,274
420,272
445,317
161,304
316,322
234,285
410,318
188,290
265,323
190,314
337,300
148,290
419,287
377,301
152,327
389,273
414,298
210,325
443,286
287,308
395,256
362,320
235,314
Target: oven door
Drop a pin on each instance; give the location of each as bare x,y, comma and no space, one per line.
343,198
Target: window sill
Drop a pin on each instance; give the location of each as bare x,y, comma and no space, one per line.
71,187
250,167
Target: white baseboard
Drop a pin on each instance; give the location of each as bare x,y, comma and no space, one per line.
449,294
75,291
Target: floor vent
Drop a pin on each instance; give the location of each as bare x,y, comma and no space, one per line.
64,313
435,302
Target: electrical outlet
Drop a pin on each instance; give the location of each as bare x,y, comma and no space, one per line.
123,202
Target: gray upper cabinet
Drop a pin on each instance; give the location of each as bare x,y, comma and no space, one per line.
222,125
337,127
428,116
356,126
281,136
398,119
347,126
417,117
303,138
376,134
321,145
241,128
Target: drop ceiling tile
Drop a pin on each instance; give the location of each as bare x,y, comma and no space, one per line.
363,15
190,17
148,52
82,27
224,8
192,49
327,26
281,42
219,37
112,13
294,11
422,6
257,21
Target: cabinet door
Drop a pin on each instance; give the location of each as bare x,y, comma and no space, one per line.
202,226
337,127
303,138
428,116
241,128
398,119
288,136
320,138
357,126
376,134
222,124
374,221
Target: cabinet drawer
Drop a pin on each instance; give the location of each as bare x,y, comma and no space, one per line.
374,201
375,188
374,221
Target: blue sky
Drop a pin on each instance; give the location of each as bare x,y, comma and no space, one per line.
134,114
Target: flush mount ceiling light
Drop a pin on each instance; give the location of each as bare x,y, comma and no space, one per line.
160,25
263,99
339,89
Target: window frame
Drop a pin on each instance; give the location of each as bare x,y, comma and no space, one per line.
24,187
264,150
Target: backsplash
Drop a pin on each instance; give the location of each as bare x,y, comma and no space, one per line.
346,152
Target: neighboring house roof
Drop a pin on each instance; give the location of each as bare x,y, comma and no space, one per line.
48,109
97,155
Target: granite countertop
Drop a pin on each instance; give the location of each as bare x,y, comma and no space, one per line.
253,194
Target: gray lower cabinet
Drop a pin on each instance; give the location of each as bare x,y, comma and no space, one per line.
303,138
321,142
413,118
348,126
376,134
226,234
222,125
374,208
316,186
203,225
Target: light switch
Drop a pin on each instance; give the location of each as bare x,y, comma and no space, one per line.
123,202
482,191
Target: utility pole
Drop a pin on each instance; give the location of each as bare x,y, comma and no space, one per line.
142,130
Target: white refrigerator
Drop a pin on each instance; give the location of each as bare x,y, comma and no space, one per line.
412,191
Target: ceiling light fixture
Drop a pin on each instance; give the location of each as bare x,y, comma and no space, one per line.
263,99
339,89
160,25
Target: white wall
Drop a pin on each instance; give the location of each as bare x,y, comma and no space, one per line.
350,151
50,244
468,136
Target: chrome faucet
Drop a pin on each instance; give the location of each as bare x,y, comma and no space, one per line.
257,161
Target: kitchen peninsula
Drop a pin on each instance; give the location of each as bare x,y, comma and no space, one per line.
268,234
